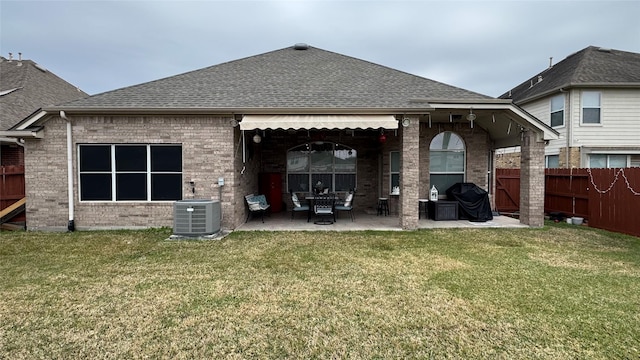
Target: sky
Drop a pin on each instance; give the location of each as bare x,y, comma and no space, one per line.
484,46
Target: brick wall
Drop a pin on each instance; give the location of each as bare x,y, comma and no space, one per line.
410,173
212,148
532,180
574,157
208,146
11,155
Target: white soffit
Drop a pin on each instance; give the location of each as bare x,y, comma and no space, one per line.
307,122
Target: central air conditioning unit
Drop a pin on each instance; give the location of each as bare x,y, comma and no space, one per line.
196,217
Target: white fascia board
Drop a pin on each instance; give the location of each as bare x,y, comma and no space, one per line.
30,121
18,134
547,131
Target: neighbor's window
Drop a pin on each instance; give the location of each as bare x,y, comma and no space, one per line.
446,161
608,161
591,107
394,169
130,172
322,165
552,161
557,110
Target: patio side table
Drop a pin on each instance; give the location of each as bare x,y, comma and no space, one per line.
422,207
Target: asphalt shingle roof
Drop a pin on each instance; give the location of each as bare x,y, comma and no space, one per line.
27,87
590,66
286,78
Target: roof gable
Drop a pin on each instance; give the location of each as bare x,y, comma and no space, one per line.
26,87
592,66
295,77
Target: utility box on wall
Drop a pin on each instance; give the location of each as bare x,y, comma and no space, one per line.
196,217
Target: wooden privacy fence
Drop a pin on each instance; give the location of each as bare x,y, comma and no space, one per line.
608,198
11,187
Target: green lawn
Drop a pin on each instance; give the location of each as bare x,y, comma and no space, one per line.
560,292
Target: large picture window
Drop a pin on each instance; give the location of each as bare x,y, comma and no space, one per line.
446,161
130,172
321,166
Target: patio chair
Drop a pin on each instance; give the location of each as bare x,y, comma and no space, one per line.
323,207
347,205
298,207
257,205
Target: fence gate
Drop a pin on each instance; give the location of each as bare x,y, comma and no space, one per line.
507,190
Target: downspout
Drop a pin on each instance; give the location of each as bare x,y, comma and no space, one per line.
569,127
71,225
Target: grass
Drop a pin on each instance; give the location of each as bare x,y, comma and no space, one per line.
553,293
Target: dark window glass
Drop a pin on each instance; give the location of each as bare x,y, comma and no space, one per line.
96,187
131,158
345,182
395,180
95,158
591,116
299,182
443,182
131,186
166,158
557,118
166,187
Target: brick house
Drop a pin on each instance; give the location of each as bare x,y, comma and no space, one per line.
121,158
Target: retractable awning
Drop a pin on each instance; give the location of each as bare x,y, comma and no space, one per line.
308,122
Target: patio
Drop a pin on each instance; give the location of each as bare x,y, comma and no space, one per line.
364,221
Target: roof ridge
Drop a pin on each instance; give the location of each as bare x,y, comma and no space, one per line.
580,68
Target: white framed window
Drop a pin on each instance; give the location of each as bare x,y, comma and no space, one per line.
446,161
394,170
130,172
322,166
608,161
557,111
591,107
552,161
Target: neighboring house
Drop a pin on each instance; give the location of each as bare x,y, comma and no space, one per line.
121,158
592,98
25,87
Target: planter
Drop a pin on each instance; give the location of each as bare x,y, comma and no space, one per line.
577,220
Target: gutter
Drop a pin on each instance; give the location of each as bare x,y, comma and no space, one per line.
71,225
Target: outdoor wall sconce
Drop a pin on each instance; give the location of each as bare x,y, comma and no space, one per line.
406,122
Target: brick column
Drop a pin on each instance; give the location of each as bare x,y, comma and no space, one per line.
532,180
409,174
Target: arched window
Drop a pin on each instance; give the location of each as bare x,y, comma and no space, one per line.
323,165
446,161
